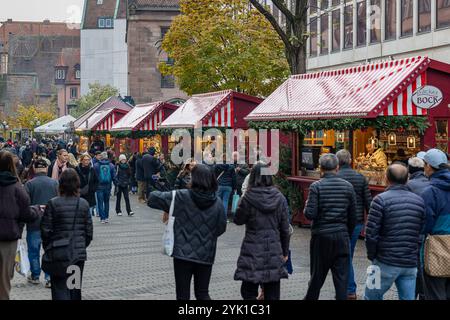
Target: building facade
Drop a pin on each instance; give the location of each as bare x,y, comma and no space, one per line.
347,32
104,52
67,80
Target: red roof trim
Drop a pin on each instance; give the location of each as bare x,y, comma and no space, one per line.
222,102
160,106
114,110
440,66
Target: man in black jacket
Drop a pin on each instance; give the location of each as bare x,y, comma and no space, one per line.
331,206
395,221
142,186
363,200
151,167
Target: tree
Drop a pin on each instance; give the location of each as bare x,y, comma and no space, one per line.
97,94
30,117
294,35
223,44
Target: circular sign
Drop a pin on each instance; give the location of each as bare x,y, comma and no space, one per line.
427,97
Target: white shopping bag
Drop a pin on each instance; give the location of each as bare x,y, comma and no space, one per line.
168,236
22,265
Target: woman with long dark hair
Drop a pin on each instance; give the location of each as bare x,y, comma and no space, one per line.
88,181
67,221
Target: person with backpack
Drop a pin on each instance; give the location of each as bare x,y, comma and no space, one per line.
123,184
106,176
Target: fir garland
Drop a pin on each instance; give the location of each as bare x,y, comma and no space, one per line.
303,126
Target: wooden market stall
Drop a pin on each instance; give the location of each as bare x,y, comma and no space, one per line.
98,120
138,129
381,112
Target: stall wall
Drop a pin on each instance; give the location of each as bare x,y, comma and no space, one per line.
241,109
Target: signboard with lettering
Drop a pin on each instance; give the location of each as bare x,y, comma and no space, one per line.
427,97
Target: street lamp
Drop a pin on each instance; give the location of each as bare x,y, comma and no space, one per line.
35,123
5,127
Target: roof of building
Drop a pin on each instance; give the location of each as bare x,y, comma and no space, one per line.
109,8
148,4
369,90
69,57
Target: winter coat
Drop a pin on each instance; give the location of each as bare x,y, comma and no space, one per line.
395,221
50,168
244,170
264,212
362,192
27,156
105,186
88,176
151,165
139,170
58,223
331,206
199,221
14,207
437,203
418,182
226,175
40,189
123,175
182,182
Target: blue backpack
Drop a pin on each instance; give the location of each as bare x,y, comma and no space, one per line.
105,174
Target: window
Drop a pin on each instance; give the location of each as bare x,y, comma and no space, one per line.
424,23
74,93
361,31
407,17
60,74
324,33
167,82
3,63
109,23
101,22
313,37
375,21
335,2
391,25
443,13
99,1
348,24
164,31
77,74
312,6
336,30
105,23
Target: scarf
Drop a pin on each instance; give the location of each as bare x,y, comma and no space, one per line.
58,168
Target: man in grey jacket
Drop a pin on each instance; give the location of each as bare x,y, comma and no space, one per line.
40,189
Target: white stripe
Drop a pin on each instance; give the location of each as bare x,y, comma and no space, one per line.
210,122
391,109
418,85
409,101
400,104
222,115
229,113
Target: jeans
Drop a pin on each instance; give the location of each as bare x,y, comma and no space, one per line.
249,290
224,193
184,270
351,289
34,253
124,191
404,278
103,203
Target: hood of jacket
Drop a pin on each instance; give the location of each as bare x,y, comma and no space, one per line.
441,180
104,161
418,175
7,178
203,200
264,199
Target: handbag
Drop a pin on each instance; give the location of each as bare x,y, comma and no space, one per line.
235,202
168,236
22,264
59,253
437,256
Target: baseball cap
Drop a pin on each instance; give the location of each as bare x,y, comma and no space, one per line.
421,155
40,164
435,158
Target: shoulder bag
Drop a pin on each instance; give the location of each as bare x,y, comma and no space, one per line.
437,256
169,236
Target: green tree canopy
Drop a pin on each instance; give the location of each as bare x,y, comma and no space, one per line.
224,44
97,94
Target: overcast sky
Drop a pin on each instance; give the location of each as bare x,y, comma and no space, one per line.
39,10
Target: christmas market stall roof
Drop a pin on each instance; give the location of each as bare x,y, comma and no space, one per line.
56,126
103,116
368,91
144,117
215,109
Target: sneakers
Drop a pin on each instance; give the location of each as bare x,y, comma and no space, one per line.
119,214
352,296
107,221
131,214
33,280
48,284
103,221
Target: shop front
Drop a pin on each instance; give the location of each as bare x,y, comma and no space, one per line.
138,130
382,113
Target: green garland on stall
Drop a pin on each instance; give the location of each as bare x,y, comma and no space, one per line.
384,123
133,134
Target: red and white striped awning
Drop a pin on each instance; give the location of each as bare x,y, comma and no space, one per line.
107,123
152,123
221,118
368,91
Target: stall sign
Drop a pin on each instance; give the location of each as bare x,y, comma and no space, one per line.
427,97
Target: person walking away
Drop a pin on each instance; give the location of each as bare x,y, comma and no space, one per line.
394,224
265,248
226,177
97,145
198,215
123,184
132,163
363,200
331,206
59,165
67,217
437,206
14,211
242,171
27,155
151,167
40,189
184,177
142,185
88,181
106,177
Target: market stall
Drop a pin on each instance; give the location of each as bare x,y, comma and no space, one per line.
381,112
97,121
138,129
57,126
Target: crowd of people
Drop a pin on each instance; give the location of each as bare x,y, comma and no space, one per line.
56,192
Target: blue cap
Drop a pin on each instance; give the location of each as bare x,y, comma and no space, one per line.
435,158
421,155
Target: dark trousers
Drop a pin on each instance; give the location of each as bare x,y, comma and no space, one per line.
249,291
124,191
436,288
60,290
331,251
150,186
184,270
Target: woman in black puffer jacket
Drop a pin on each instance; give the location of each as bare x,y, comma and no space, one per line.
66,217
265,248
88,181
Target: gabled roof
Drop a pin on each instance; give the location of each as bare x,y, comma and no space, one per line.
154,4
56,126
69,57
362,91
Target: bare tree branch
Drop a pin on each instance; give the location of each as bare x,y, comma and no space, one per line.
285,10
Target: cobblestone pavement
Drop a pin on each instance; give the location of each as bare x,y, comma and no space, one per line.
125,262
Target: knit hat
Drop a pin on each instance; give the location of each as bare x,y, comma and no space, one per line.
122,157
